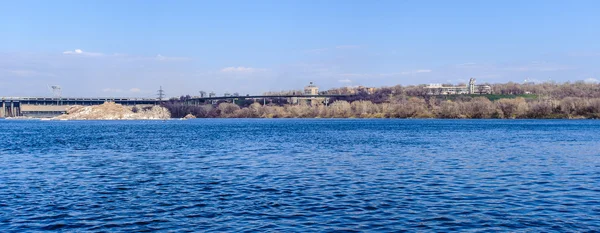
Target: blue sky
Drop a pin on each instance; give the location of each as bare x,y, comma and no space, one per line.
130,48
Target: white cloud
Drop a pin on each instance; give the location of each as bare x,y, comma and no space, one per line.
77,51
345,81
82,53
592,80
241,69
135,90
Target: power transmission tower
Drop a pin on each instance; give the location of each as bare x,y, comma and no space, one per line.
56,92
161,93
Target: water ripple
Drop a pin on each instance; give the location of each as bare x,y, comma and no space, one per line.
286,175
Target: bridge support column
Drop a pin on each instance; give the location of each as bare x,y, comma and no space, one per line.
3,112
12,109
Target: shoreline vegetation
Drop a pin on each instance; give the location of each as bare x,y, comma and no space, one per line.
577,100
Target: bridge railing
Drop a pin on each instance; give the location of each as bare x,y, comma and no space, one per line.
78,98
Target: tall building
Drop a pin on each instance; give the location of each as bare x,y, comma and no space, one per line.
471,86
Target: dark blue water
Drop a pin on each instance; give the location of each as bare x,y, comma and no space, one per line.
230,175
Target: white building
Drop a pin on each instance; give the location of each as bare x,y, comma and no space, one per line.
469,89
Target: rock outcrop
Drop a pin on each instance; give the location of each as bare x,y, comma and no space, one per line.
189,116
113,111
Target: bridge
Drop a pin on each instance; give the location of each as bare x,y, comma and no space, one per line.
54,106
48,107
291,98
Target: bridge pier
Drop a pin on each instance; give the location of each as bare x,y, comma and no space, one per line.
12,109
3,113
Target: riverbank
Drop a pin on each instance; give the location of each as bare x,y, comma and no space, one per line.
407,107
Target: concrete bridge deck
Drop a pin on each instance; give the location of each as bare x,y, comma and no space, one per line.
265,96
52,106
199,100
49,106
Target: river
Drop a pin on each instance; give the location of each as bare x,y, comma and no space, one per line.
300,175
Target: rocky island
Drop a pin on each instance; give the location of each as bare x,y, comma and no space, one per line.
113,111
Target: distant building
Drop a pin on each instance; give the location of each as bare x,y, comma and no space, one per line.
471,88
353,90
311,89
527,82
368,90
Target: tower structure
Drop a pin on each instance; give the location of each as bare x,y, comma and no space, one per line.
311,89
471,86
161,93
56,92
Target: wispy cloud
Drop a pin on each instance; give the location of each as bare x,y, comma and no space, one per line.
112,90
339,47
165,58
347,47
124,57
422,71
241,70
354,75
81,53
365,75
591,80
539,66
385,74
317,51
345,81
407,72
30,73
135,90
467,64
119,90
584,54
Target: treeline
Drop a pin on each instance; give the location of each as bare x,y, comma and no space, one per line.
409,107
547,89
548,100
